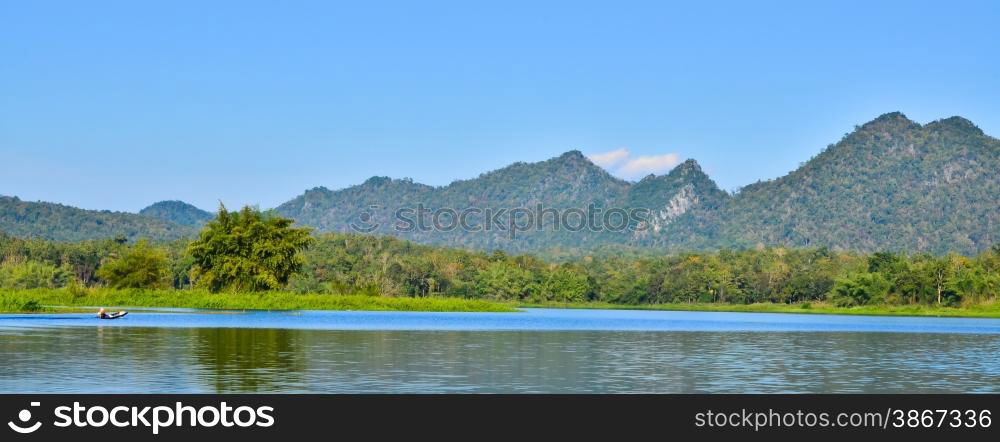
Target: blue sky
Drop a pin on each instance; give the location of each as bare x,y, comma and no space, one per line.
114,105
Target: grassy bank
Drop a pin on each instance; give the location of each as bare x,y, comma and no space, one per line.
47,300
985,310
54,300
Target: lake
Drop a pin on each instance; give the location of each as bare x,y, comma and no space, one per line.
535,351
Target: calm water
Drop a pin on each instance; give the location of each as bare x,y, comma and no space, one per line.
540,350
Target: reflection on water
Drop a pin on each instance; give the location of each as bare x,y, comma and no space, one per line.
146,360
249,360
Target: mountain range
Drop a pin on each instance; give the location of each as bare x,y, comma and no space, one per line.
891,184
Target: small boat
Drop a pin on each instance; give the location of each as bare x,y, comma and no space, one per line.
114,315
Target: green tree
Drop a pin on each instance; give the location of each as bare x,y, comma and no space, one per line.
939,271
973,285
884,262
912,284
564,285
139,266
18,273
248,250
502,280
860,289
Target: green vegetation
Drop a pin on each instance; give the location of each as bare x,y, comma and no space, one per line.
139,266
67,298
890,185
568,181
10,303
64,223
19,273
338,268
986,310
248,254
250,251
177,212
247,251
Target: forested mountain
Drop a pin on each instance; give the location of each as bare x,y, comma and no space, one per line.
177,212
567,181
329,210
891,184
64,223
685,205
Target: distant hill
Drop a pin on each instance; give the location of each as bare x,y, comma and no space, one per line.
64,223
891,184
686,206
568,181
177,212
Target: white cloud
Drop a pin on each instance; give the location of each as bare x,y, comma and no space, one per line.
656,164
610,159
620,162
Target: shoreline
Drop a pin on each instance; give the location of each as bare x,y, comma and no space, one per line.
86,300
985,311
73,301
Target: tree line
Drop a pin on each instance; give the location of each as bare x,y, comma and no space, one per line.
250,250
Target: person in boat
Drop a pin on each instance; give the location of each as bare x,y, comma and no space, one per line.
103,314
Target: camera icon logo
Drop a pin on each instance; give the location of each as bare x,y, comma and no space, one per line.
24,416
367,220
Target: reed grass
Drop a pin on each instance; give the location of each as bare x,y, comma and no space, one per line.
72,299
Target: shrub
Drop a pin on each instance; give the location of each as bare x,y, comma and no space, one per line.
505,281
31,306
17,273
564,285
140,266
860,289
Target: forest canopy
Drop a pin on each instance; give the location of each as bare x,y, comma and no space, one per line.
337,263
